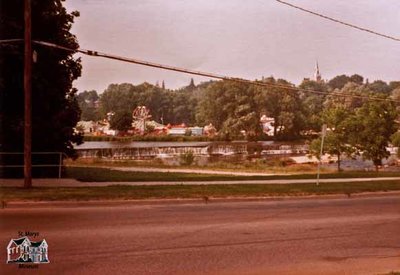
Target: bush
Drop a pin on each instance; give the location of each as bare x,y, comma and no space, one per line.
186,158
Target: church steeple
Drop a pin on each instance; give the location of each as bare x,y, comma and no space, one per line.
317,75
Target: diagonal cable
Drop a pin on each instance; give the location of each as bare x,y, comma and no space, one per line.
339,21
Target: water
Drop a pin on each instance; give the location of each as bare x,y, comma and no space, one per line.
145,150
210,152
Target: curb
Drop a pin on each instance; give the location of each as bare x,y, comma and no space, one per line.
111,203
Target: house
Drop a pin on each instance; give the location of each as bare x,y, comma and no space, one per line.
196,131
177,131
22,250
87,127
268,125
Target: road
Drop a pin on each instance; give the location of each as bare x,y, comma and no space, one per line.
287,236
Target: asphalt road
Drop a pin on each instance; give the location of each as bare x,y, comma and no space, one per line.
287,236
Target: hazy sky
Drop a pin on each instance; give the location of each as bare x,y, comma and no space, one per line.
247,39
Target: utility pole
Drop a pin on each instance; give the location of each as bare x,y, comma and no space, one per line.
27,95
323,134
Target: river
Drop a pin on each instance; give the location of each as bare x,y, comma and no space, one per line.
143,150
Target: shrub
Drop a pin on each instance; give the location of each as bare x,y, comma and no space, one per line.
186,158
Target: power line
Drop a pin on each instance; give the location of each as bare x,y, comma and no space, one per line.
4,41
207,74
339,21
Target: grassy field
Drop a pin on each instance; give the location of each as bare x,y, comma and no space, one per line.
91,174
121,192
277,165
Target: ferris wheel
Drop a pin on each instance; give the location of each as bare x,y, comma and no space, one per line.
141,114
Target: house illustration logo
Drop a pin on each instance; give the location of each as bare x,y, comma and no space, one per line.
22,250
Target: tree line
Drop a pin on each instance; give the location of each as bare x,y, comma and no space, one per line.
232,107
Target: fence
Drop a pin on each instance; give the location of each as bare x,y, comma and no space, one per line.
14,160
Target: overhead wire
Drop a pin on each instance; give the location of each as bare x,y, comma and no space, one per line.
340,21
5,41
222,77
199,73
208,74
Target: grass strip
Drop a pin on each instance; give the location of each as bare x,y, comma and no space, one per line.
93,174
124,192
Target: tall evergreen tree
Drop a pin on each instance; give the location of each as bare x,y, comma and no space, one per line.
55,111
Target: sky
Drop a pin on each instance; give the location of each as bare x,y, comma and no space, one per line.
247,39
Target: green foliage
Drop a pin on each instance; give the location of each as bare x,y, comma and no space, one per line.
371,128
394,85
121,121
55,109
186,158
357,126
87,103
230,107
285,107
395,140
380,86
235,108
352,101
313,104
356,78
339,81
166,106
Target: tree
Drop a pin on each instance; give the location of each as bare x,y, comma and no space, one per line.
356,78
395,140
350,102
371,129
183,107
121,121
88,105
289,113
339,81
379,86
394,85
55,110
336,140
284,106
119,97
269,100
313,104
344,116
231,107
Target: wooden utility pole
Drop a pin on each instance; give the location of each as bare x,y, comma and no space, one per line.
27,96
323,134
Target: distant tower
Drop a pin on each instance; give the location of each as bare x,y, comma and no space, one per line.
191,84
163,85
318,77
